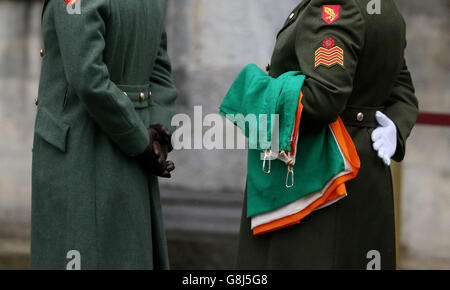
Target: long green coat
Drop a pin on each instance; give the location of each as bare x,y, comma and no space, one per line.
354,63
105,79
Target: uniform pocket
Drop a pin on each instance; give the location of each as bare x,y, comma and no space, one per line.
67,96
52,130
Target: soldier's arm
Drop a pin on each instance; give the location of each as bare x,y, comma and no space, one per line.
328,55
164,91
81,39
402,108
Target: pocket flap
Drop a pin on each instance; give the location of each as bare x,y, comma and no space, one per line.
51,129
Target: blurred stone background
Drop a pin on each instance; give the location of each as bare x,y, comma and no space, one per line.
209,42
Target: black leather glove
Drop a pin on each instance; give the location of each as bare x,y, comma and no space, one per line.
163,136
154,158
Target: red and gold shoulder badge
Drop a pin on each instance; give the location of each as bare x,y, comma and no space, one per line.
71,2
329,54
330,13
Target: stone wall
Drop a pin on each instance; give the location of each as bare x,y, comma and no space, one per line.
209,42
20,43
425,198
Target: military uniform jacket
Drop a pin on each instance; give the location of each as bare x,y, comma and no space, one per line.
353,59
105,79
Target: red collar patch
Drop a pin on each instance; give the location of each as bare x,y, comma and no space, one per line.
330,13
71,2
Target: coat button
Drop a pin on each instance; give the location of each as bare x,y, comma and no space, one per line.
268,67
41,52
291,16
150,94
36,101
142,97
360,117
125,93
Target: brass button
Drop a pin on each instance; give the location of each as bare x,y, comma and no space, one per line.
142,97
36,101
150,94
268,67
291,16
360,117
125,93
41,53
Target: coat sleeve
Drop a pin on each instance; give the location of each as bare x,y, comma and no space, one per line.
328,55
81,39
162,84
402,108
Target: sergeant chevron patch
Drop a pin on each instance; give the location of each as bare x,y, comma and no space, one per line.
329,54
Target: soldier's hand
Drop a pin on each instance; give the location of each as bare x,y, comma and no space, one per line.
163,167
163,135
170,166
152,161
385,138
154,158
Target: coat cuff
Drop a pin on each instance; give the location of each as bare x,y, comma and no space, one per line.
133,142
400,152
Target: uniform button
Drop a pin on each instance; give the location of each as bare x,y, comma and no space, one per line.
291,16
36,101
142,97
41,52
360,117
125,93
150,94
268,67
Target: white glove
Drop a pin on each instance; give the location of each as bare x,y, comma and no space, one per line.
385,138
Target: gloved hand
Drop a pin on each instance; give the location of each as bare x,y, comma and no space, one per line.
163,137
385,138
154,158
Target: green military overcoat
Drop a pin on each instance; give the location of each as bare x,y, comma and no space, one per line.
105,79
353,58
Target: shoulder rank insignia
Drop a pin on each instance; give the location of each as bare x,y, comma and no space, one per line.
330,13
329,54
